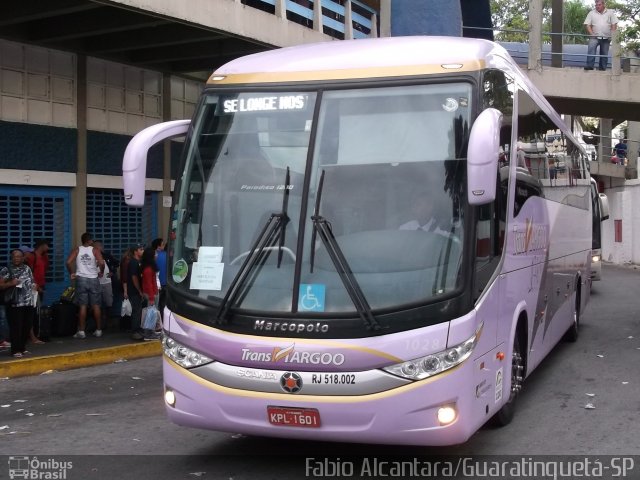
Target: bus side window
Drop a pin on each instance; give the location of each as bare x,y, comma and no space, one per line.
490,234
483,232
523,192
491,219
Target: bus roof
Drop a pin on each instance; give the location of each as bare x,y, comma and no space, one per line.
366,58
377,58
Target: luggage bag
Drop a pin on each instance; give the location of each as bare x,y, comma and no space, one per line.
65,319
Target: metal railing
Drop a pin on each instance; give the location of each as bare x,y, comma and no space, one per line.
343,19
573,54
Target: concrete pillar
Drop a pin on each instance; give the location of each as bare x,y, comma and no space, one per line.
385,18
535,35
348,21
317,16
281,9
426,17
165,212
604,147
616,66
557,29
569,122
79,192
374,26
633,143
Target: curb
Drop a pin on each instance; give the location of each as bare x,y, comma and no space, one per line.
85,358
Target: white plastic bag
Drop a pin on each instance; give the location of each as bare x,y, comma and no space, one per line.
126,310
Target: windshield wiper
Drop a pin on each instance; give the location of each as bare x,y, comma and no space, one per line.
273,231
285,206
443,264
322,227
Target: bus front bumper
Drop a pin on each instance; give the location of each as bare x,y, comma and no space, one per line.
406,415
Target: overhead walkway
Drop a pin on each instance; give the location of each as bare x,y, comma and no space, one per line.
572,90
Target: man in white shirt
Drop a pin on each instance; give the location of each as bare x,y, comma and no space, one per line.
85,264
600,24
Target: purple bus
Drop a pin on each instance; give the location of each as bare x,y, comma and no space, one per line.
359,251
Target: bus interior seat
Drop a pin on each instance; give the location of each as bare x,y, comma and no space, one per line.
391,251
251,195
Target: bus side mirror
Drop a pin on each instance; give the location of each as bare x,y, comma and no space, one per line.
482,157
604,206
134,164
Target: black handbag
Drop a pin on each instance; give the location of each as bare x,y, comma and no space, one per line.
11,296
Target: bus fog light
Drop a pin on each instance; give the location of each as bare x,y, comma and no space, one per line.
170,398
447,415
595,259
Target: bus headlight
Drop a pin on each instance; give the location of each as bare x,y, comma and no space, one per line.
183,356
595,259
435,363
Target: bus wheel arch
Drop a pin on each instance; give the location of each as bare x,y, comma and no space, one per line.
518,372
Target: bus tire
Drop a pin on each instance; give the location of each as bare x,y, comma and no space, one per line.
507,411
572,333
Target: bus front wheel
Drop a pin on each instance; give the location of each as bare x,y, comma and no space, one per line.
505,414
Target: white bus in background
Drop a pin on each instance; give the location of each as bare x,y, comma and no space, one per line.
600,212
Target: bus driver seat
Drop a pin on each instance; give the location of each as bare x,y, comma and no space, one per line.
251,193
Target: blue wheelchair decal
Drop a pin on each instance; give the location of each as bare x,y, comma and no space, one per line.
311,298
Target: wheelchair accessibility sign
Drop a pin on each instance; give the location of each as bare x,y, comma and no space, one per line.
311,298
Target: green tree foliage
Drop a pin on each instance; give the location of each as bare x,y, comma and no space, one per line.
629,14
511,18
574,15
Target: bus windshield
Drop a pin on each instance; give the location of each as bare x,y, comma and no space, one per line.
381,171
